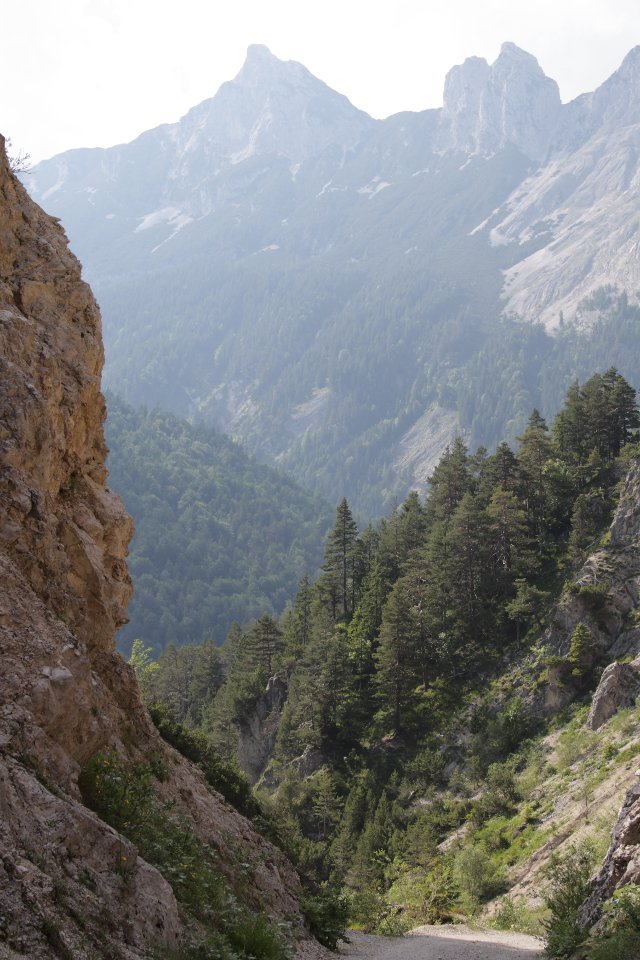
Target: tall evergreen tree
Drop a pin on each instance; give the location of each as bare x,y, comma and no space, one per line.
339,580
509,547
469,571
396,657
411,530
535,449
263,642
449,482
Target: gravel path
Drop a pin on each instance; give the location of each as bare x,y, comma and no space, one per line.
444,943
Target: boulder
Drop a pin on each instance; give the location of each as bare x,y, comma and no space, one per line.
619,686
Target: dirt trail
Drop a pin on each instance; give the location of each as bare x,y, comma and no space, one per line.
444,943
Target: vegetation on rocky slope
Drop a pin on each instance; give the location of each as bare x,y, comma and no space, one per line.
425,675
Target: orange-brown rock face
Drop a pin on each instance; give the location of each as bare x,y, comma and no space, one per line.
66,532
64,586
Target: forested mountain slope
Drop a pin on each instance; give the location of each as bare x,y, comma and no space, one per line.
331,289
219,537
452,704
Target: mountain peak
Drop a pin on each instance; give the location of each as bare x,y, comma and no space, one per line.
258,51
631,62
263,67
272,107
511,51
512,102
614,105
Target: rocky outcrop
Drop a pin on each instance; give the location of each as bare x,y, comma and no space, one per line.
64,691
619,686
622,863
508,104
309,762
259,729
577,210
606,590
604,597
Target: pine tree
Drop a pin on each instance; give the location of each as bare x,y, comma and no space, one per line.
396,676
534,451
501,470
449,482
297,633
624,417
411,530
339,581
324,802
469,571
582,528
263,642
570,427
205,680
509,545
354,817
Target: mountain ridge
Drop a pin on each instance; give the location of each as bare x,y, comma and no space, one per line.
239,266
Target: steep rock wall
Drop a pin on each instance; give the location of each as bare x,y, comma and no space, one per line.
64,691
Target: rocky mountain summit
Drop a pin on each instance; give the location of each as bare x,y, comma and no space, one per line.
64,692
578,208
240,253
510,103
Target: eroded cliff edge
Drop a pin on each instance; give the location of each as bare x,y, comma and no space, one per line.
64,691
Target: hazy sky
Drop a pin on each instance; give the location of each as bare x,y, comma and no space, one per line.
97,72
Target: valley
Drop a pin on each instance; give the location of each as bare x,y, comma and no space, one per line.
377,688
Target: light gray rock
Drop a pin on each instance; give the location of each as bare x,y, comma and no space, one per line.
626,523
258,730
579,208
510,103
308,763
622,863
619,686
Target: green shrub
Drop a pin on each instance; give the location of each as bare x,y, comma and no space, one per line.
620,936
428,897
367,909
566,894
327,914
514,914
594,595
476,875
195,746
123,795
500,794
394,923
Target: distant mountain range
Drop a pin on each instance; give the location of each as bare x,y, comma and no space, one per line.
346,294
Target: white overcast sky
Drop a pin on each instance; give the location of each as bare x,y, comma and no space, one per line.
97,72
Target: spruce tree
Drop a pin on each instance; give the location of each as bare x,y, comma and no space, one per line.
338,582
534,451
449,482
263,642
396,676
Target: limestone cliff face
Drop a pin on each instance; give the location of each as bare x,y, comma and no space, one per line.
64,691
258,730
622,862
510,103
613,623
607,587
